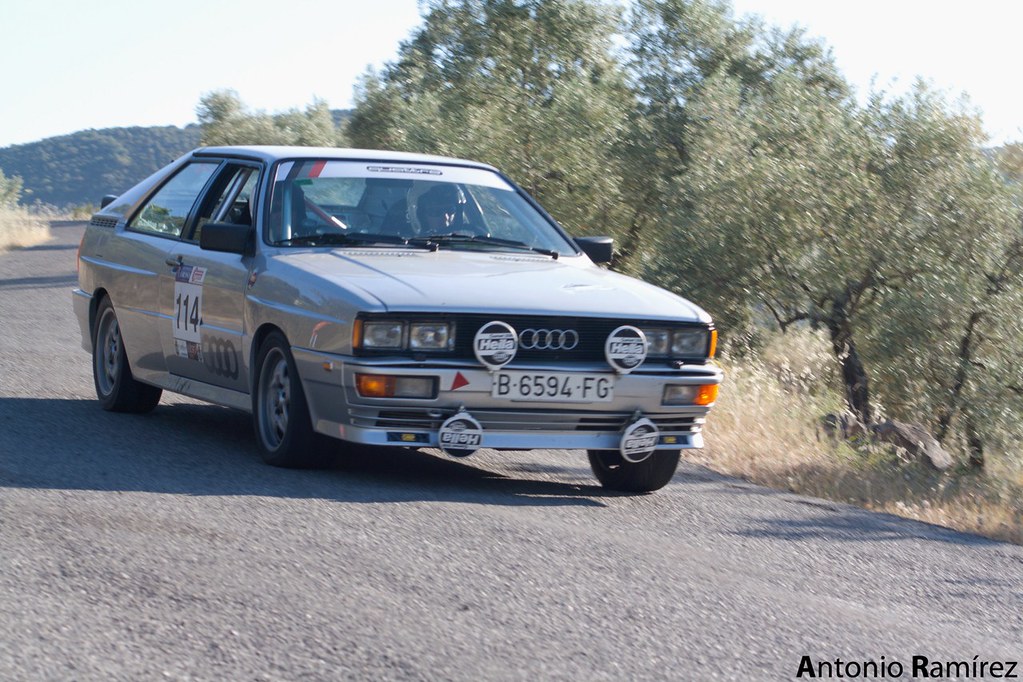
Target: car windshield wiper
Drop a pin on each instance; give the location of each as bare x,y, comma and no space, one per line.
434,240
343,239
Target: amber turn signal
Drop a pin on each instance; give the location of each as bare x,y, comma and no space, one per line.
374,385
389,386
707,394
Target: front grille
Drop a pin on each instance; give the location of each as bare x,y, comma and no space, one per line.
592,331
399,420
592,335
672,424
522,420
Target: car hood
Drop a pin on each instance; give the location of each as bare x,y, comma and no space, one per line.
502,283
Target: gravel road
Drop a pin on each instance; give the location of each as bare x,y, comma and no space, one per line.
159,546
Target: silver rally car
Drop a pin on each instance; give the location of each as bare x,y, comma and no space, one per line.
387,299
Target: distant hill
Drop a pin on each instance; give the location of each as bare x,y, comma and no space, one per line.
78,169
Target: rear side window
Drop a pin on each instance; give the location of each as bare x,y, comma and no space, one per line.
228,200
166,212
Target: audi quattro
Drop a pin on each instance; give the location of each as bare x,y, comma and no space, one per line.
387,299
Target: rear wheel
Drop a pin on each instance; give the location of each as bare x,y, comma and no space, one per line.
280,413
116,388
615,473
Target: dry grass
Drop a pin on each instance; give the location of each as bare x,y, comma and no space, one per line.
21,227
764,429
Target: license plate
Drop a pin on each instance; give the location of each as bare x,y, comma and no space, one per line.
553,387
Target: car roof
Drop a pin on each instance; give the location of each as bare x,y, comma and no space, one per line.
276,153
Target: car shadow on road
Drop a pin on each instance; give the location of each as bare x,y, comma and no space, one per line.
198,449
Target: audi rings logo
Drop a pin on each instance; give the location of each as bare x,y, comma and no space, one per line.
549,339
220,357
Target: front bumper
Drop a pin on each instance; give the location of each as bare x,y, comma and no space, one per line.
338,410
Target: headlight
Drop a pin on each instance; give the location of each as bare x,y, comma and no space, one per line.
382,334
658,342
689,343
403,335
429,336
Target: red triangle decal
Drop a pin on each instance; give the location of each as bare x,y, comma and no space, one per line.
459,382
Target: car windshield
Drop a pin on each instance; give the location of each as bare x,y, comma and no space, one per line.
355,204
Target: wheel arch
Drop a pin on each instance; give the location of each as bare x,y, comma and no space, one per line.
264,330
97,298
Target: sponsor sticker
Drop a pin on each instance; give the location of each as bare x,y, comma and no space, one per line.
495,344
639,440
625,348
403,169
188,350
460,435
198,276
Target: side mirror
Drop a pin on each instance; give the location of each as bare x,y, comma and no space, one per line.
599,249
107,200
226,237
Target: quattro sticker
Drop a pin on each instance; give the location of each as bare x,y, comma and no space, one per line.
460,435
639,440
625,349
495,344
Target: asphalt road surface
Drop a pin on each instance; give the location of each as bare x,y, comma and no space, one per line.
160,547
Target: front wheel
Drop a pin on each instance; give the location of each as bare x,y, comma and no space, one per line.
116,388
280,413
615,473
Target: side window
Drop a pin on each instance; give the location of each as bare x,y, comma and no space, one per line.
228,200
165,213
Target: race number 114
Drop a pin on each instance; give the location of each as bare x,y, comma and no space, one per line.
187,311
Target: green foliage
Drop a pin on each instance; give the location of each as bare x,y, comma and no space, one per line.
529,86
81,168
678,50
10,190
1010,161
224,120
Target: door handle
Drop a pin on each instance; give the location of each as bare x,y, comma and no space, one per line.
174,262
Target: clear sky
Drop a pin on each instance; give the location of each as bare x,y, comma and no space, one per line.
68,65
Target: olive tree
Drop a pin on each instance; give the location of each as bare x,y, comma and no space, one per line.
676,48
224,120
10,190
946,347
528,85
885,225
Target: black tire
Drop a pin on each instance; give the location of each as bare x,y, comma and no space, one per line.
116,388
280,414
653,473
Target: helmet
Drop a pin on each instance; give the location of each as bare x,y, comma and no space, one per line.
441,205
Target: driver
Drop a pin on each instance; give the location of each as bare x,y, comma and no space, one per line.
440,209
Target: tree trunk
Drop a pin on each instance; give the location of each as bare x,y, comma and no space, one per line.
975,444
955,400
854,374
631,242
